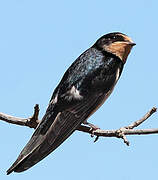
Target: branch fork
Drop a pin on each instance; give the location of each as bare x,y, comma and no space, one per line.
33,121
123,131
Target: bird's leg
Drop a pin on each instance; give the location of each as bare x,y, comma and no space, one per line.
93,127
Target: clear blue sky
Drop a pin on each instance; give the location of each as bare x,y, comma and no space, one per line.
38,42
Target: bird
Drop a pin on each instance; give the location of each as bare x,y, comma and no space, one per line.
84,87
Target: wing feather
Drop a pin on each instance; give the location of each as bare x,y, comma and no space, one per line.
64,124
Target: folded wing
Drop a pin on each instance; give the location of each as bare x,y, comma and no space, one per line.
51,133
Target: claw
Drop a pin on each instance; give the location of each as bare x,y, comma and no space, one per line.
93,128
96,139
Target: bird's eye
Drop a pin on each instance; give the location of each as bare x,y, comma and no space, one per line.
114,37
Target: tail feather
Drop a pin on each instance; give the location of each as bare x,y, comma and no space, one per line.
35,141
57,133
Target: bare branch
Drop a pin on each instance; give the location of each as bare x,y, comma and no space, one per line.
114,133
122,132
144,118
33,121
13,120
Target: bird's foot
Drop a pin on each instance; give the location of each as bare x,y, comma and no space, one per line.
93,127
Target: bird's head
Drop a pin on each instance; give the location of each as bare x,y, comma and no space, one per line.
116,43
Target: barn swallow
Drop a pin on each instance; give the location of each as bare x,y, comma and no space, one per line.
85,86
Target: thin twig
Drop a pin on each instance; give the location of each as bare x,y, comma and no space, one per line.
144,118
13,120
33,121
114,133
